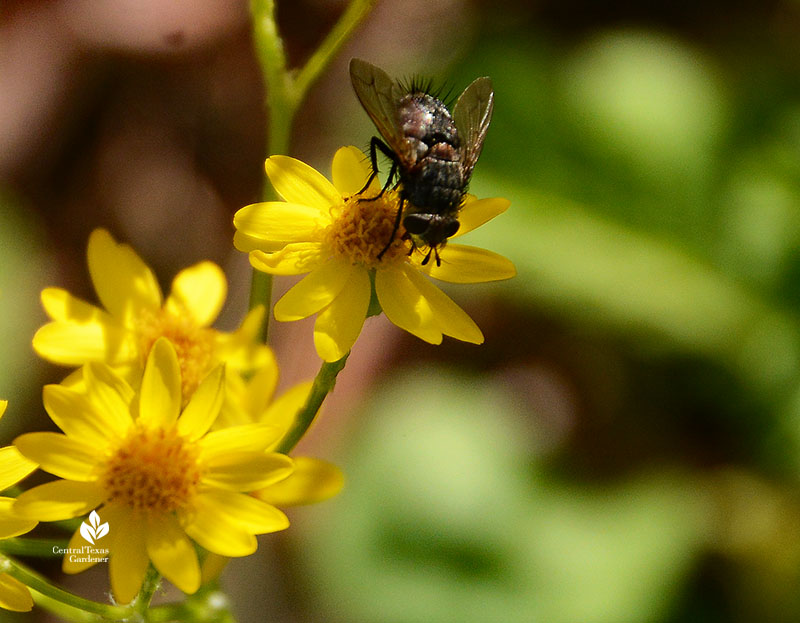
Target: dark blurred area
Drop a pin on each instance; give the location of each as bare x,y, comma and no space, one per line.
625,446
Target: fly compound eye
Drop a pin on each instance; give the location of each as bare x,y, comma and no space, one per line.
417,224
451,228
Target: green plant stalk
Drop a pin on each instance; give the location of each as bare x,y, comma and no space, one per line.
207,605
355,12
152,579
284,94
40,548
322,386
261,294
61,602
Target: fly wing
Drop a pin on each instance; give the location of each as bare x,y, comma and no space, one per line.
380,96
472,114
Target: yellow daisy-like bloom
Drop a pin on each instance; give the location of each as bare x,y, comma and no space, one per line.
335,234
14,595
154,472
135,315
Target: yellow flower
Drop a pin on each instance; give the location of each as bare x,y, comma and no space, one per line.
14,595
331,232
154,473
135,315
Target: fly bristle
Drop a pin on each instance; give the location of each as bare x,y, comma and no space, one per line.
448,97
422,84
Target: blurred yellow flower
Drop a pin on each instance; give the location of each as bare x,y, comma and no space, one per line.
156,475
331,232
134,315
14,595
313,480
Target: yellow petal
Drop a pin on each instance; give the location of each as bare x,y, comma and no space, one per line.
282,412
129,560
14,595
124,284
251,326
218,533
350,171
314,292
61,499
199,292
463,264
246,243
13,467
73,344
61,455
405,306
293,259
160,398
3,405
476,212
260,390
243,438
60,305
204,406
246,471
339,324
172,553
242,351
311,481
212,567
246,513
78,417
11,524
111,396
297,182
278,221
449,317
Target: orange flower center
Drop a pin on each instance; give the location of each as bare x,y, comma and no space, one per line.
152,471
362,229
194,345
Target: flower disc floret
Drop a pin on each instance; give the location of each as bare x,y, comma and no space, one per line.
362,228
193,343
152,471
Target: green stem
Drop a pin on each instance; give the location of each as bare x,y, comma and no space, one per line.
208,605
323,385
284,94
40,548
261,294
272,58
61,602
152,579
350,19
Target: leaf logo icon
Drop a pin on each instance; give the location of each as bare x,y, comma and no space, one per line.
93,530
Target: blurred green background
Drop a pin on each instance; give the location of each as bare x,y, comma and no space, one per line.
625,447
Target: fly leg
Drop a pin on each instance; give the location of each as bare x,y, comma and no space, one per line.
374,145
394,229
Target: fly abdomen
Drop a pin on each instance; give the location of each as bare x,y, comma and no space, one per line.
435,186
